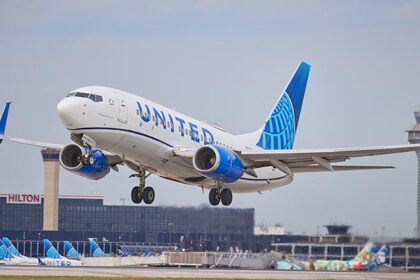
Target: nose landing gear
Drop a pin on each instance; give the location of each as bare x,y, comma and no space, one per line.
142,193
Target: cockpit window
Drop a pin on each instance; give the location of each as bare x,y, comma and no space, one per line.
82,94
98,98
93,97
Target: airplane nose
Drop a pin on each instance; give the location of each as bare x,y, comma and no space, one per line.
66,110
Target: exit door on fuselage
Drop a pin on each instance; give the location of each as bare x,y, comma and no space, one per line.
121,109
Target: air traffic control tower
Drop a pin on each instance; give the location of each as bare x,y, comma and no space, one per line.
51,178
414,138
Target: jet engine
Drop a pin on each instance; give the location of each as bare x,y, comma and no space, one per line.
218,163
74,159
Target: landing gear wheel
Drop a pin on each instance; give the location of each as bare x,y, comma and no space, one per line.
136,195
140,192
226,197
214,197
148,195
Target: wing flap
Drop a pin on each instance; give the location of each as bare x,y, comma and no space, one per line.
315,168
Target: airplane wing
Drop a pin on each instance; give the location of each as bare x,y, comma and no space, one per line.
112,159
32,143
318,159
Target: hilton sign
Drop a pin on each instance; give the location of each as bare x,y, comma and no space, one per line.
23,198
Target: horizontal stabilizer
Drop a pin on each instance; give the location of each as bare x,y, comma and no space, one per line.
316,168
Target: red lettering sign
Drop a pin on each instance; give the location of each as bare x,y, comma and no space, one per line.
24,198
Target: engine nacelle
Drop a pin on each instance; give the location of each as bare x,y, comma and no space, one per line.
71,159
218,163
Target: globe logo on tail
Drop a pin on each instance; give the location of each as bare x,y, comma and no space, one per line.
279,131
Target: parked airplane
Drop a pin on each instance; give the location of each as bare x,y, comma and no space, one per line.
13,256
110,127
95,250
54,258
369,258
71,253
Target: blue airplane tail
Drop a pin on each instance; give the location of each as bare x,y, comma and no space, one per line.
279,130
71,253
4,251
380,256
95,250
3,120
12,249
50,250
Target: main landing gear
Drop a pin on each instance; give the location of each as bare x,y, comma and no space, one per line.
218,194
142,193
88,144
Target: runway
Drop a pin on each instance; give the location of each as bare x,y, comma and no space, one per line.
198,273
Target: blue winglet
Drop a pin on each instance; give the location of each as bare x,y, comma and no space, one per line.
3,120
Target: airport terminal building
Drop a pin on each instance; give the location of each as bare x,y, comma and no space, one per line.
85,216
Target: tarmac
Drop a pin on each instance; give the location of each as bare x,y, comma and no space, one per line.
199,273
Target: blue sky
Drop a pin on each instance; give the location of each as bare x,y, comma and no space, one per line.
227,62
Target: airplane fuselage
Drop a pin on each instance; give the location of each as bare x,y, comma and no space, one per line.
146,134
59,262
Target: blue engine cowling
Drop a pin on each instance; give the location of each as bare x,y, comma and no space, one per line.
71,159
218,163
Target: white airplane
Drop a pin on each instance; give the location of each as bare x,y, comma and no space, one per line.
11,256
54,258
110,127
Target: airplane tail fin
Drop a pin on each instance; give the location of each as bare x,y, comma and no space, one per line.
71,253
12,249
4,251
365,253
50,250
3,120
95,250
380,256
279,129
